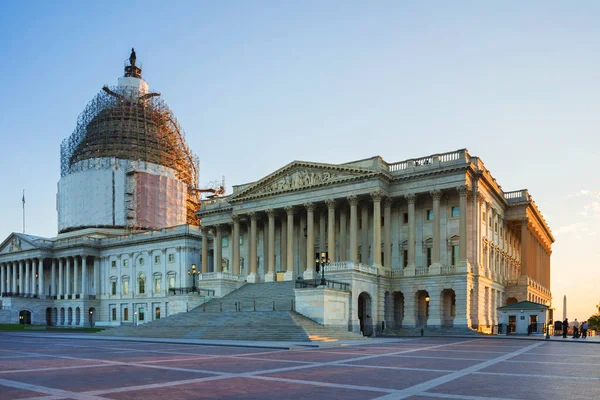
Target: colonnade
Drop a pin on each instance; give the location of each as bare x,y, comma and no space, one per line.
68,277
296,217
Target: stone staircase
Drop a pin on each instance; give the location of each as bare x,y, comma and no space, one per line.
219,320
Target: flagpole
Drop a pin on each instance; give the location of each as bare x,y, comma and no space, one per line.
23,210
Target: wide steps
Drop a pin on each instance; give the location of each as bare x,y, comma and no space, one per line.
244,314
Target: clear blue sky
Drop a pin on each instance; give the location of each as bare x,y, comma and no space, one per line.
258,84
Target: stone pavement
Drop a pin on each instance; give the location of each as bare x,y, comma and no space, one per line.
41,366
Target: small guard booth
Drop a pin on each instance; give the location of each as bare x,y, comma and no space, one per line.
522,318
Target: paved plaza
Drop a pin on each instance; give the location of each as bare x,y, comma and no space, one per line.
42,367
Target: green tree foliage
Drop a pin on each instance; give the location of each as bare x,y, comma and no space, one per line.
594,322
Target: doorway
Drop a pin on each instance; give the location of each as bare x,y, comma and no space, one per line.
25,317
364,314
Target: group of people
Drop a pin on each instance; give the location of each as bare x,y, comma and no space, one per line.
579,330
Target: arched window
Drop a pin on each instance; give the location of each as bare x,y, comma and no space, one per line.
141,284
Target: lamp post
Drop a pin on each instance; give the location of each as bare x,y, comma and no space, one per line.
91,318
193,272
322,260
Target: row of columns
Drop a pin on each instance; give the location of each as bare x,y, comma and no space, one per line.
535,258
26,277
287,239
23,277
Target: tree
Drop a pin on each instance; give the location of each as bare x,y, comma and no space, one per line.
594,322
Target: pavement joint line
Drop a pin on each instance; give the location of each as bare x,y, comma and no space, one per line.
253,374
445,371
460,397
21,371
551,362
47,390
417,389
562,377
326,384
438,358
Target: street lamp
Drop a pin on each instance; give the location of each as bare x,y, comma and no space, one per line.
322,260
193,272
91,318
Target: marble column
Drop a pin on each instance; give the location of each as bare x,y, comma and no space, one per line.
235,256
387,233
353,201
61,289
53,278
524,237
96,278
364,233
217,245
270,274
331,228
253,277
76,276
436,256
204,260
376,195
15,274
282,243
343,253
2,279
68,291
41,291
84,290
21,282
26,286
462,224
412,230
289,272
33,285
322,234
310,241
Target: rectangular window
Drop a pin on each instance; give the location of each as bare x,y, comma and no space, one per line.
455,254
360,222
157,285
171,258
405,258
455,212
157,313
496,227
126,314
113,264
125,287
483,219
225,241
428,256
113,288
156,259
113,314
171,282
125,262
141,314
405,218
490,221
241,239
429,215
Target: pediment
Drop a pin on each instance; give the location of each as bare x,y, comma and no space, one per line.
16,242
300,175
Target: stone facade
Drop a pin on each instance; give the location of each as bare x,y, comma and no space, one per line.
100,276
432,241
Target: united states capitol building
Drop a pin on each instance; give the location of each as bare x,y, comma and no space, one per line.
429,241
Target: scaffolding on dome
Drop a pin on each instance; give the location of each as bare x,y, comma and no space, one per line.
122,123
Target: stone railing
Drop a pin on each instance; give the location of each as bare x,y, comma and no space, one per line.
351,266
420,271
517,196
397,272
220,275
450,269
435,160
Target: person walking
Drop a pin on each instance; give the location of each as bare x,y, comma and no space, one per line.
584,329
575,329
565,327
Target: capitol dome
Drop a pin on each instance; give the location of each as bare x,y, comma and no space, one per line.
127,164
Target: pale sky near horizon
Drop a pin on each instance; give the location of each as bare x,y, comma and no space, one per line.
257,84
